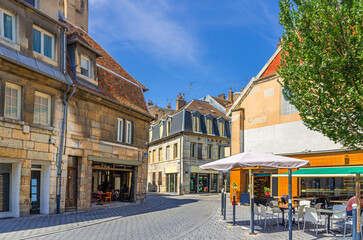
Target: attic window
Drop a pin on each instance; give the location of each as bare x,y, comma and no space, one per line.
200,108
213,111
86,67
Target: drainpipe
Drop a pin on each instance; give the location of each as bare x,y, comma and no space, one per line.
61,148
181,164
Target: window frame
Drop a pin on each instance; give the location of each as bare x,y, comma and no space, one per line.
209,151
161,129
90,66
167,153
168,127
196,124
52,36
286,108
209,126
13,25
192,150
150,134
160,154
175,150
120,130
154,156
200,151
19,100
222,128
220,152
49,108
35,3
128,130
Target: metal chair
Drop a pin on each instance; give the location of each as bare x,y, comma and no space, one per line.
256,212
311,215
350,222
339,215
266,215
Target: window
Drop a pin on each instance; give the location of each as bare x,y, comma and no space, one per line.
209,151
160,178
200,151
196,124
43,42
175,150
168,127
42,106
221,129
149,155
120,130
160,154
154,155
286,107
150,134
128,132
167,153
5,187
12,101
192,150
220,152
209,126
161,130
86,67
7,27
172,182
31,2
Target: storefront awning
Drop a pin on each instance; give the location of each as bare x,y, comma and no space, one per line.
114,161
325,172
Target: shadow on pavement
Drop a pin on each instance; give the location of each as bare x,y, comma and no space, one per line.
92,216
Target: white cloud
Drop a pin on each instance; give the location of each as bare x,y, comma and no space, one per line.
144,24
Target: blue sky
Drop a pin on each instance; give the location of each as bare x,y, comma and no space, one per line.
206,46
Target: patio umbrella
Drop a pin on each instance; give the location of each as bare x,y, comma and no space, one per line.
255,159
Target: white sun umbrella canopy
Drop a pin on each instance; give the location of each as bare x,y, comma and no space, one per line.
255,159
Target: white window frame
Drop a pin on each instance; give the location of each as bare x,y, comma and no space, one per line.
2,30
120,129
43,95
42,32
90,66
286,107
18,104
197,122
168,127
161,129
128,132
150,134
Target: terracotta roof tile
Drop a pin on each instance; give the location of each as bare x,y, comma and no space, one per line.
271,69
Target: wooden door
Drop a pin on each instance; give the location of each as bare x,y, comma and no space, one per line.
35,192
71,189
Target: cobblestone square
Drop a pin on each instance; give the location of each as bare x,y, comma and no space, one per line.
161,217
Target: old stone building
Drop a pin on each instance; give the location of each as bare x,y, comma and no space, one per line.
194,134
158,112
63,99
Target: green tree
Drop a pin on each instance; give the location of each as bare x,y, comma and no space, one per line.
321,66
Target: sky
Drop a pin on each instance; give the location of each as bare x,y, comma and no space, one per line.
196,47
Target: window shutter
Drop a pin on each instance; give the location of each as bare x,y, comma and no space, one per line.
132,132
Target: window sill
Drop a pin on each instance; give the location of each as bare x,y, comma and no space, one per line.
9,43
12,120
85,78
45,59
42,126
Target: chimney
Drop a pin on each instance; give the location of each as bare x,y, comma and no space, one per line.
150,103
230,95
222,96
180,102
168,107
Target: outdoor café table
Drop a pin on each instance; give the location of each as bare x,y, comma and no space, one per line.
284,207
329,213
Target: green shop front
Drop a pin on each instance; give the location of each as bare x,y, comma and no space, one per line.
202,181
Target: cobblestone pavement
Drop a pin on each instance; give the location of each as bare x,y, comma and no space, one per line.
161,217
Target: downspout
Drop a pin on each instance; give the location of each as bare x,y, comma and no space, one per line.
61,147
181,164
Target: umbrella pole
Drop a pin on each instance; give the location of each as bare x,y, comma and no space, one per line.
252,227
357,195
290,205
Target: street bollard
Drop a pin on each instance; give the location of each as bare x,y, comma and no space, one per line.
354,227
234,209
222,206
225,205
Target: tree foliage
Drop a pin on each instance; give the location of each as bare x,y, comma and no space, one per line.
321,66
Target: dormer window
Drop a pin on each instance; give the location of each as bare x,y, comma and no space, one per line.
168,127
221,129
43,42
86,67
209,126
7,25
161,130
196,124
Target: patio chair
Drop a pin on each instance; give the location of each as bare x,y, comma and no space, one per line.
350,222
318,206
311,215
298,216
256,212
108,197
305,203
275,208
340,214
266,215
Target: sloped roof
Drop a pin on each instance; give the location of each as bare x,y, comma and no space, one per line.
223,102
113,81
203,108
271,69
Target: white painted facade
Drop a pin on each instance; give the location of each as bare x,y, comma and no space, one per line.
292,137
